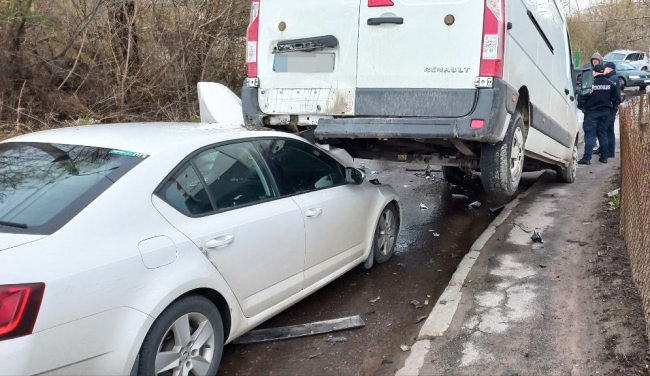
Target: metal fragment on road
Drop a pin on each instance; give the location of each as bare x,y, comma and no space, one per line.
302,330
335,340
374,300
475,204
459,196
423,207
537,237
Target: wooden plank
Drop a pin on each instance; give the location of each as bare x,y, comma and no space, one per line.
302,330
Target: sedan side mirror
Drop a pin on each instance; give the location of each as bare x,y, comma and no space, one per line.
354,176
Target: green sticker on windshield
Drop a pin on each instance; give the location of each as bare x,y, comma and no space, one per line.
127,153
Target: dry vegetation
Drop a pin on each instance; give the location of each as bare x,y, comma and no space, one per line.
67,61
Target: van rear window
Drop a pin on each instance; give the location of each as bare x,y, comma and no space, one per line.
43,186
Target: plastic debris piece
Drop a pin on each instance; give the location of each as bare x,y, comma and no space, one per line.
335,340
400,264
543,266
405,348
301,330
386,361
435,234
315,355
426,302
423,207
475,204
420,319
459,196
374,181
537,237
406,185
373,172
374,300
416,304
455,255
614,193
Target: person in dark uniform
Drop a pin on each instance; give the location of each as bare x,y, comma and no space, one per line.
610,73
597,106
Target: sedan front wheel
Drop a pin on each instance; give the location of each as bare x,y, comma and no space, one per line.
386,234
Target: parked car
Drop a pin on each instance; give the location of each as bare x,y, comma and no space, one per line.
144,248
629,76
472,85
636,59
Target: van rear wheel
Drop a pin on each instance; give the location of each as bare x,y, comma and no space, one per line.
502,163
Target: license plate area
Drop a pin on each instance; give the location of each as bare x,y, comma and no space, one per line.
304,62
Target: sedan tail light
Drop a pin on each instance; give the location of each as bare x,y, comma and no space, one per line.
19,306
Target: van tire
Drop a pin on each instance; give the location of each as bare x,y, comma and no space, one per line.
501,169
568,174
453,175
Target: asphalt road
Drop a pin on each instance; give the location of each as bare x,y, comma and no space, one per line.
420,270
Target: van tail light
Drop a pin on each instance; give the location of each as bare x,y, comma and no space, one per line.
380,3
19,306
252,38
493,39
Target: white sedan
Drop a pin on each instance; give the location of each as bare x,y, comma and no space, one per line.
144,248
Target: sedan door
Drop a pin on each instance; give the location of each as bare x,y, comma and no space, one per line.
225,200
335,213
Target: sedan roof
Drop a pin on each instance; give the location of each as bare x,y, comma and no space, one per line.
146,138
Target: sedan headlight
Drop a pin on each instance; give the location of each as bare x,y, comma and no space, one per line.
634,77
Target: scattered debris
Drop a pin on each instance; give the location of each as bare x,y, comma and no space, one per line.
406,185
543,266
420,319
582,244
537,237
373,172
475,204
386,361
426,302
435,234
335,340
374,181
405,348
428,296
416,304
443,302
455,255
302,330
400,264
370,313
373,301
497,209
464,197
613,193
428,177
423,207
315,355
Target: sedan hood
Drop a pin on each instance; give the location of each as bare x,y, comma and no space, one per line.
14,240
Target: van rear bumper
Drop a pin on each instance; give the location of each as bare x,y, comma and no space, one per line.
491,105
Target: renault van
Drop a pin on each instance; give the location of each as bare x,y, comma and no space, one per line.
483,85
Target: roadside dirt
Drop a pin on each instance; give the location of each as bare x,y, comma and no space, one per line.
619,303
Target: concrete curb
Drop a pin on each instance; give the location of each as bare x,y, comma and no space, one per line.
443,312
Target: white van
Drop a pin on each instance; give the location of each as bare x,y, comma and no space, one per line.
466,84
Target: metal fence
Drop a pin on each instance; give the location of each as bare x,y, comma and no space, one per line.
635,190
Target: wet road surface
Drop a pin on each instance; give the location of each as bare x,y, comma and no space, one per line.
419,270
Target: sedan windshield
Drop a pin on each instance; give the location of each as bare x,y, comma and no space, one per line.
623,67
43,186
614,56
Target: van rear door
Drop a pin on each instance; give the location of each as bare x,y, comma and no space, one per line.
419,44
307,58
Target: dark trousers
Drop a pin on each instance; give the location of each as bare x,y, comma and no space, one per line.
611,137
595,125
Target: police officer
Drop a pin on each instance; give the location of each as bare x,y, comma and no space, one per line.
597,106
610,73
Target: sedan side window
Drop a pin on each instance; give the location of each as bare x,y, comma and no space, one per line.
219,178
304,168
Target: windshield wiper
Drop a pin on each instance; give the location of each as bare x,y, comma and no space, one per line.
13,224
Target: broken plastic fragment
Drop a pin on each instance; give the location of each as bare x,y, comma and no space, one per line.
375,300
497,209
405,348
614,193
420,319
435,234
537,237
416,304
426,302
335,340
423,207
455,195
475,204
373,172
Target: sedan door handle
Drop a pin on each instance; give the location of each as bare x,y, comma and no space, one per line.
385,20
313,212
219,242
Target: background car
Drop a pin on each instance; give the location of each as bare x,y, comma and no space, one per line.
144,248
629,76
636,59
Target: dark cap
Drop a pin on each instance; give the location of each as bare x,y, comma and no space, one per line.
609,64
599,68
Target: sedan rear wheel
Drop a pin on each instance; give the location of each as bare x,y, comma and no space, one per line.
186,339
386,234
